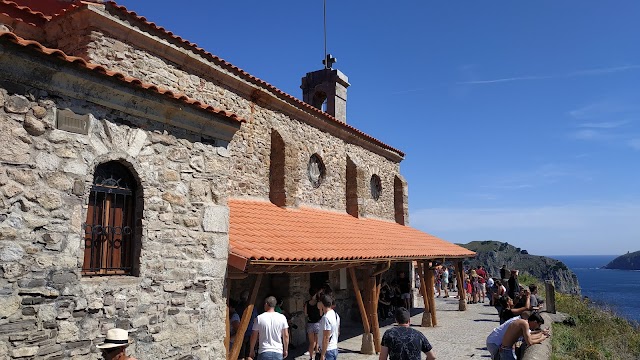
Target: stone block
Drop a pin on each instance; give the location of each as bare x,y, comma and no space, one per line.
27,311
78,187
47,161
178,154
12,189
137,142
9,305
174,198
33,126
19,326
10,252
49,200
17,104
24,351
215,219
22,176
63,278
67,331
38,111
47,350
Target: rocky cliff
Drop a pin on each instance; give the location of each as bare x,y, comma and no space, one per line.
629,261
494,254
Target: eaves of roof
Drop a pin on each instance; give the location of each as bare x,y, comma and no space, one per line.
98,69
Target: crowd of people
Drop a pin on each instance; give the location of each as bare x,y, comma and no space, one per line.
267,336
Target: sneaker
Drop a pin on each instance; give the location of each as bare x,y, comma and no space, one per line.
306,353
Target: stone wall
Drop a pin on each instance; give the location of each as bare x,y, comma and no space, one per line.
250,149
47,308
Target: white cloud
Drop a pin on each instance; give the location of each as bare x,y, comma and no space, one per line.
604,124
570,229
579,73
634,143
588,134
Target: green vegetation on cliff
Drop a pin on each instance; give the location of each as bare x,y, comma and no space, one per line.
597,334
629,261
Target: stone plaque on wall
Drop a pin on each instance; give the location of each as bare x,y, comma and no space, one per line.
69,121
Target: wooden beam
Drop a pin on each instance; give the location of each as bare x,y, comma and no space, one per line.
246,316
462,291
236,276
426,315
363,311
430,293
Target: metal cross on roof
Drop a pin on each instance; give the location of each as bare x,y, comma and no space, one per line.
329,61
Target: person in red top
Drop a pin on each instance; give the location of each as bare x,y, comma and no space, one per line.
482,279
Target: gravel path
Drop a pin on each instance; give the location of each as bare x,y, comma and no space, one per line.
459,334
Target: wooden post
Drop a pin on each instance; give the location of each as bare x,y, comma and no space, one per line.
462,291
227,337
356,289
367,338
246,316
430,293
370,293
375,325
426,315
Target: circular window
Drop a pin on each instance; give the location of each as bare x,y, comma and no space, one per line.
376,186
315,170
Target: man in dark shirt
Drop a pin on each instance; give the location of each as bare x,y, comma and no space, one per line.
402,342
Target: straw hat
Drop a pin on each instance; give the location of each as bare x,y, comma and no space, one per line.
115,338
473,273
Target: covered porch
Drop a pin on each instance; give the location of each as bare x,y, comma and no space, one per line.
276,250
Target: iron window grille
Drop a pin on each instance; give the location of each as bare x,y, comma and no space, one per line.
109,230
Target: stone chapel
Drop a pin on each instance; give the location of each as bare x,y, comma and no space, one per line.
144,181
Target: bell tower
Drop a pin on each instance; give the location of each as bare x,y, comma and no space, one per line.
326,89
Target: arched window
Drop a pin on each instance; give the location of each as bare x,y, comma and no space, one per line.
109,230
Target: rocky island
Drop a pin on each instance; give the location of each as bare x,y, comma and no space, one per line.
628,261
494,254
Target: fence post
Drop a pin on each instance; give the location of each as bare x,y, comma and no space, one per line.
550,289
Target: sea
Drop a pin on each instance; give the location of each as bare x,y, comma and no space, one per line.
616,290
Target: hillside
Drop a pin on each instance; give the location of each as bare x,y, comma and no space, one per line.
629,261
494,254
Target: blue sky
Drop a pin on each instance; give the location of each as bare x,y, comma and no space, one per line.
520,120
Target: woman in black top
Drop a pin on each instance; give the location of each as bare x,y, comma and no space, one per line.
313,321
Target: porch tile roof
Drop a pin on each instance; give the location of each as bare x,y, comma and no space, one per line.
260,230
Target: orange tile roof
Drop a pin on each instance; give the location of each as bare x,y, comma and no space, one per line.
98,69
22,13
260,230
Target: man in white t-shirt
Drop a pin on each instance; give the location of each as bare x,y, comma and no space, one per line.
270,328
329,329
